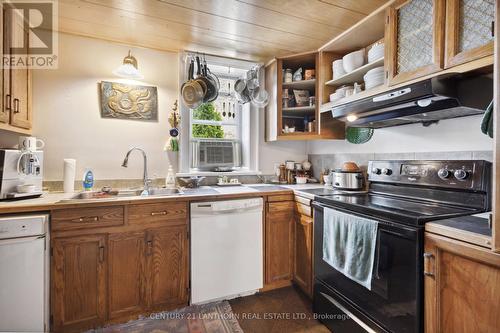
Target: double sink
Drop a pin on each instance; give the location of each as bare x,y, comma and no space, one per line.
126,193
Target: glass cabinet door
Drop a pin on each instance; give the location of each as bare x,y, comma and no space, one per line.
469,30
415,35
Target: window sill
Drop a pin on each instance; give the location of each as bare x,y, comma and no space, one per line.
215,174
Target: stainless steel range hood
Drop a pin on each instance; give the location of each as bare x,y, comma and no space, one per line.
425,102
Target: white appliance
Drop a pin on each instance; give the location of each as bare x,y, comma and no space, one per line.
226,249
24,274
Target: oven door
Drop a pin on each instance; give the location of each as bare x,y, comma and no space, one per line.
395,301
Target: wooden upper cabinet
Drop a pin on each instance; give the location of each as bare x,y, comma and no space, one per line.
16,82
126,279
167,253
279,241
462,287
414,39
469,30
78,282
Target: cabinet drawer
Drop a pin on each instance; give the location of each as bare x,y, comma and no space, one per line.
175,213
303,209
303,200
280,207
95,217
280,197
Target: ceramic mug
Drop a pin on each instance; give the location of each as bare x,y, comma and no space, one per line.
30,143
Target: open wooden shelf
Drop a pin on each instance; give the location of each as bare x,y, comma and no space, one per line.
356,75
303,84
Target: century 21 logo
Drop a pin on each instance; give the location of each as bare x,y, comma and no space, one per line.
36,20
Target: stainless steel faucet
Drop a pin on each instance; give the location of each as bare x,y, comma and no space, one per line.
145,179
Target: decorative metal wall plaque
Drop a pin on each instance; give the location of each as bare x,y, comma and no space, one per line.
127,101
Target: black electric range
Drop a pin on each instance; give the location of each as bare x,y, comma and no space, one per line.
402,196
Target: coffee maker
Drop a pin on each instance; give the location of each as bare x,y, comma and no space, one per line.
21,173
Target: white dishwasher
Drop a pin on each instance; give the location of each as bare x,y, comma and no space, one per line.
226,249
24,274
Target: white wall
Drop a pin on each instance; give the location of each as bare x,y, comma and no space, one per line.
67,113
460,134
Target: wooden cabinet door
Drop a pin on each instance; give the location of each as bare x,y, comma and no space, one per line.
126,275
78,282
469,30
303,252
167,269
17,81
279,241
414,39
462,287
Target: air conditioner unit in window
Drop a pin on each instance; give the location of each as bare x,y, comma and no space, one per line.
215,154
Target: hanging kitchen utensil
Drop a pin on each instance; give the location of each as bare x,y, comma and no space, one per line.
202,80
212,86
191,91
252,80
229,110
224,109
358,135
241,91
234,110
260,96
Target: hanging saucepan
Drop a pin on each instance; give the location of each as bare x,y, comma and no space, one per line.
260,97
191,91
212,86
202,80
241,90
252,78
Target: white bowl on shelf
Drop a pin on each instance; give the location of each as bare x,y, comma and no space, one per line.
376,52
337,69
353,60
374,77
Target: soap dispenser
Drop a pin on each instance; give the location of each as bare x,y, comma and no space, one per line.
170,179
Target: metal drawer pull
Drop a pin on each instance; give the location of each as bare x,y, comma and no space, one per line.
16,105
164,212
8,102
428,268
89,219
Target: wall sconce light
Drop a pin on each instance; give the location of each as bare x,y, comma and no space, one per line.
129,68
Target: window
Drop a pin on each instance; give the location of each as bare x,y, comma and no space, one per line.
219,131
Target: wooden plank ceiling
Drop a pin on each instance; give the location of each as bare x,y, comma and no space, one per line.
247,29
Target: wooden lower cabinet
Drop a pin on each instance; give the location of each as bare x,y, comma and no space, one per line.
126,278
303,253
113,276
462,287
279,241
167,266
78,282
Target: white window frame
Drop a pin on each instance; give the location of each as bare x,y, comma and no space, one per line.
249,115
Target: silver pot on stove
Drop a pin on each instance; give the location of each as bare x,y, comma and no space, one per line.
347,180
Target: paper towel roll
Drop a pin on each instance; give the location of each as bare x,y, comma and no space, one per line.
69,175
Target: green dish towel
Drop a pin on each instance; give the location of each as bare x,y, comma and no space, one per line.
487,123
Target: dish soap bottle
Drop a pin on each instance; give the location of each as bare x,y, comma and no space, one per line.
170,179
88,180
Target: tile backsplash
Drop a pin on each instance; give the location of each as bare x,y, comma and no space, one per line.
335,161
